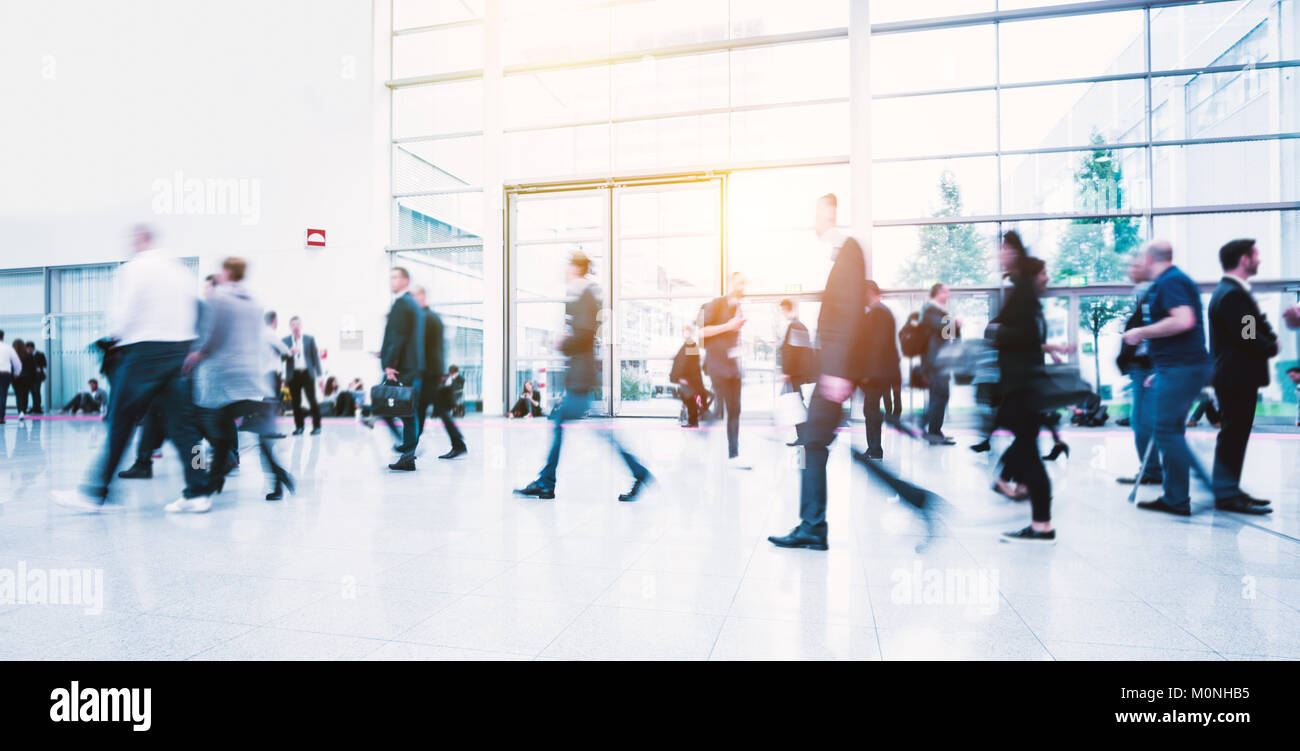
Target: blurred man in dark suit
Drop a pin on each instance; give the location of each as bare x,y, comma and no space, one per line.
1241,343
302,370
403,359
431,390
880,354
839,327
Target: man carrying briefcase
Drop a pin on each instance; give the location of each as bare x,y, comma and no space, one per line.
402,357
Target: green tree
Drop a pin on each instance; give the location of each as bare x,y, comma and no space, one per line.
1097,248
954,254
1094,314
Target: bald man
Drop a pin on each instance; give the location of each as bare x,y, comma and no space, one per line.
1176,344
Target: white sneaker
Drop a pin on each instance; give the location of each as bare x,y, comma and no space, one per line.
200,505
76,501
736,462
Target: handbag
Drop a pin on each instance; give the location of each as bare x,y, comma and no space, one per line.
790,410
392,400
1056,386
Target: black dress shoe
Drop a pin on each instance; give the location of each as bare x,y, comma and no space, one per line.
1242,504
1029,534
275,495
982,446
1145,481
939,439
797,539
297,431
137,471
537,491
455,452
1160,505
315,431
405,464
636,489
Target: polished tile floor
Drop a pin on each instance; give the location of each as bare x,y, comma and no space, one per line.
445,563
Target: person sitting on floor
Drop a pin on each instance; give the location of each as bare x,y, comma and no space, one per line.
529,404
92,402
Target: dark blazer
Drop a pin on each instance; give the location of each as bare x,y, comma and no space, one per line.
932,318
310,357
843,315
433,345
401,348
1020,335
796,353
41,364
686,367
718,362
880,344
582,317
1239,362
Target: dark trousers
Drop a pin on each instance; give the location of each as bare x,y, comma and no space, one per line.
301,383
1021,461
872,395
221,431
690,400
6,379
432,397
938,403
728,391
153,431
1237,417
818,433
574,407
36,395
22,388
149,373
411,424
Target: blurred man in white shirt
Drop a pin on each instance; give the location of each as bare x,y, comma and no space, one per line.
10,368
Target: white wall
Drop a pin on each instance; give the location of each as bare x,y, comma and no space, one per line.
105,100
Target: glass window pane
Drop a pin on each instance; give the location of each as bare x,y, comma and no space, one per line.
1197,238
462,334
437,218
928,125
937,59
918,257
561,217
545,34
408,14
887,11
1244,102
751,18
556,152
1213,173
1074,114
449,275
939,187
1074,182
660,85
439,164
667,23
434,109
776,74
1097,249
790,133
438,51
538,326
556,97
1072,47
670,142
1232,33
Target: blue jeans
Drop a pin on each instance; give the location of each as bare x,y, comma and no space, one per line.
1143,420
574,407
1175,390
149,373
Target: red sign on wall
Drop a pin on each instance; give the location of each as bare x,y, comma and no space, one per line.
316,238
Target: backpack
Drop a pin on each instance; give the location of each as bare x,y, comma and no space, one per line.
914,337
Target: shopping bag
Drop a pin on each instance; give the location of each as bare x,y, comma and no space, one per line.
790,410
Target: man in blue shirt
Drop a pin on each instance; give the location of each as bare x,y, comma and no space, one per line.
1176,344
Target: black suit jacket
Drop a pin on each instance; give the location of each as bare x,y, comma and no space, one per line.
1240,361
402,347
582,314
686,367
843,315
880,345
433,344
310,357
1020,336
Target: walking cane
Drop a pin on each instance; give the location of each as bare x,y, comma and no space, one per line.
1142,471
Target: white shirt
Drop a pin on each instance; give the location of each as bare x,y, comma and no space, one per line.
9,362
299,357
154,300
1242,282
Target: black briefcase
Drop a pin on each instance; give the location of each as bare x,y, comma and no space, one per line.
392,400
1058,385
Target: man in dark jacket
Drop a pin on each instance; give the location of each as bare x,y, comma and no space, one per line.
720,322
839,327
880,348
686,374
302,368
403,360
39,364
582,315
796,353
1134,361
1241,343
431,388
942,329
